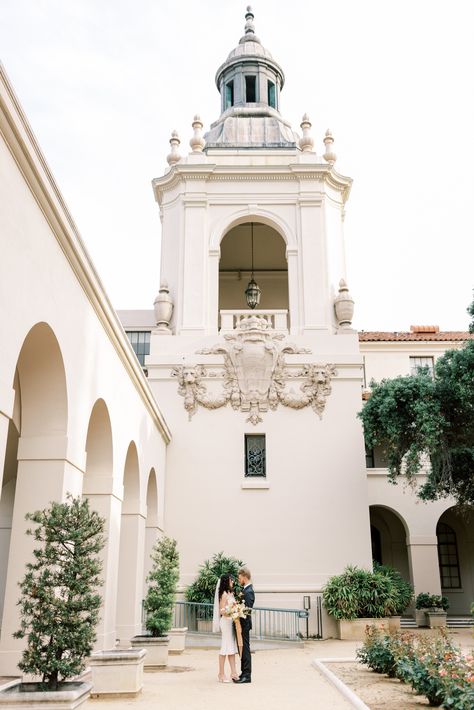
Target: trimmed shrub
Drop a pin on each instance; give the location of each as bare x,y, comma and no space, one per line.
404,590
358,593
161,594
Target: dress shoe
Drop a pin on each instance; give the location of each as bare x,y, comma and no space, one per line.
243,679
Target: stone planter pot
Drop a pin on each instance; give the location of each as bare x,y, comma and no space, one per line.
435,618
420,617
156,650
394,623
354,630
117,672
26,695
177,640
204,626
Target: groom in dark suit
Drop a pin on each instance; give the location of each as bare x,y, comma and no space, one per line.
248,596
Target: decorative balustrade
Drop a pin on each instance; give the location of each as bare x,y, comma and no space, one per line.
276,319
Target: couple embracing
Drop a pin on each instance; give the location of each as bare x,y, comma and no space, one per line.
223,621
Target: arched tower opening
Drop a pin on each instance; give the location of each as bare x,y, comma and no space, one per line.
270,272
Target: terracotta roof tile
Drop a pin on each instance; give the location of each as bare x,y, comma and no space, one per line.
366,336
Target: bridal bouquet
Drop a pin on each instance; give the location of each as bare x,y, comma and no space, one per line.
237,611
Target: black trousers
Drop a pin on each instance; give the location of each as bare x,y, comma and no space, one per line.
246,658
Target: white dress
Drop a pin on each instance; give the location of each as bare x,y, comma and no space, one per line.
228,642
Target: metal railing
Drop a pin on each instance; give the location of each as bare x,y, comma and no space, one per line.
267,623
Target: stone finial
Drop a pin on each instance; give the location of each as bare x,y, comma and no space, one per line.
163,307
249,16
197,142
174,156
344,306
306,141
329,155
249,33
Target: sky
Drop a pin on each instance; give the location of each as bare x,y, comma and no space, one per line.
104,82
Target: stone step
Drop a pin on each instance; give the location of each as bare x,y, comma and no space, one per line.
453,622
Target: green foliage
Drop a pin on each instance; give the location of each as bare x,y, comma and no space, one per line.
358,593
418,420
431,601
163,583
403,589
203,588
382,651
470,310
59,605
433,666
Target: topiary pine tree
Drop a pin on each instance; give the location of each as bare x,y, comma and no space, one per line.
163,579
59,604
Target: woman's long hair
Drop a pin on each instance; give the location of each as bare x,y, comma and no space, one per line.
224,585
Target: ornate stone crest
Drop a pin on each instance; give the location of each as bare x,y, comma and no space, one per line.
255,374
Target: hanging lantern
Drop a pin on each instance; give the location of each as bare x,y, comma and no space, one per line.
252,292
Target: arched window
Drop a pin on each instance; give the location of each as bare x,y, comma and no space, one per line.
448,557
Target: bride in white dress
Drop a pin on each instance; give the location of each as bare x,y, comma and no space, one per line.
225,625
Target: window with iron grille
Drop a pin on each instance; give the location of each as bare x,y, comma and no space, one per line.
418,363
140,342
255,455
448,557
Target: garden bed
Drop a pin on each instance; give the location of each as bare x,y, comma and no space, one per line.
377,691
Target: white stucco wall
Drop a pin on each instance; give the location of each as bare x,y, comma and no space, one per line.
50,290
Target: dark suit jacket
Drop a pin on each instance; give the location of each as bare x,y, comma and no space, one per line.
249,600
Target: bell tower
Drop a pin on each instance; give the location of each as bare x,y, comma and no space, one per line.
260,376
252,173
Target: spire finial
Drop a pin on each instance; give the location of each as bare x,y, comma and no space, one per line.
249,16
249,33
329,155
306,142
197,142
174,156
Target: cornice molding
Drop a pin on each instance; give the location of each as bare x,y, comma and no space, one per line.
183,172
31,162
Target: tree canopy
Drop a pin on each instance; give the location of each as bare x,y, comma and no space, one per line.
423,421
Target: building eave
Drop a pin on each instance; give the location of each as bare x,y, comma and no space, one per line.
27,154
291,171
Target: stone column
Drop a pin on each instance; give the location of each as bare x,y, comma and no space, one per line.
423,562
44,474
213,292
4,422
7,399
109,506
130,576
293,292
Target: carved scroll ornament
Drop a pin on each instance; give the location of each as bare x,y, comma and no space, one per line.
255,375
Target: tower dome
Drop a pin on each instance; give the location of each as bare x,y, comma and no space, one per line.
249,82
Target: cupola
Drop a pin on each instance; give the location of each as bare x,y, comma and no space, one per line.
250,82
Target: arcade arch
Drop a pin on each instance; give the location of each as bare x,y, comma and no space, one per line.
389,539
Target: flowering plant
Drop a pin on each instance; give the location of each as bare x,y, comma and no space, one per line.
236,610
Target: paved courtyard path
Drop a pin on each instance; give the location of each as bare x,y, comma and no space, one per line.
282,680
